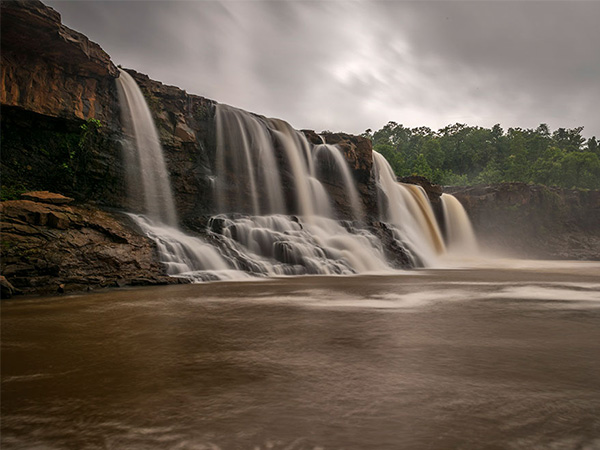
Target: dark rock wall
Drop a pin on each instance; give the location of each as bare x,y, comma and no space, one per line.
534,221
358,151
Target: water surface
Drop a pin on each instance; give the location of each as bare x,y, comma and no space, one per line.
490,358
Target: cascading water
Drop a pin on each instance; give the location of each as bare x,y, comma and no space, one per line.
182,255
459,232
274,216
146,168
334,159
310,242
409,211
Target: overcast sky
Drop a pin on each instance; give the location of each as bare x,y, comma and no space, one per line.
353,65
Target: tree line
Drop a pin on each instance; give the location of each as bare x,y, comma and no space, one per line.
462,155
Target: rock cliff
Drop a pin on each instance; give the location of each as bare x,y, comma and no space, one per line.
50,69
62,132
534,221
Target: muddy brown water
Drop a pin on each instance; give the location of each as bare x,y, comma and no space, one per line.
490,358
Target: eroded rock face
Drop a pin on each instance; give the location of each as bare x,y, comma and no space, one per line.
44,246
433,191
534,221
358,151
60,112
50,69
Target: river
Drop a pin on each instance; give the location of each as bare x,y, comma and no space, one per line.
499,357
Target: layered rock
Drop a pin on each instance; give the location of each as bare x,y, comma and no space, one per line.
48,248
62,132
534,221
50,69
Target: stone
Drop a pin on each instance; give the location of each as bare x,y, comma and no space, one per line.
44,246
47,197
534,221
185,133
433,191
49,68
7,290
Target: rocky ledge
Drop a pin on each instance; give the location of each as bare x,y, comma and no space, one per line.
48,248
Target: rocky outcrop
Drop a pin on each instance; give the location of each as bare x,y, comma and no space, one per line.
534,221
358,151
433,191
50,69
62,133
60,112
49,248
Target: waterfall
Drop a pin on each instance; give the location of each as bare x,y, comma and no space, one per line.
266,240
333,158
245,152
409,211
459,232
273,214
146,166
182,255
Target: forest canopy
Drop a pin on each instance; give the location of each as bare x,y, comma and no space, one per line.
462,155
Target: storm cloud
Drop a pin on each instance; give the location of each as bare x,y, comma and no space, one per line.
352,65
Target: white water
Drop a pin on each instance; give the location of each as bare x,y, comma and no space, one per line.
460,236
333,157
262,164
182,255
400,207
245,151
284,245
147,164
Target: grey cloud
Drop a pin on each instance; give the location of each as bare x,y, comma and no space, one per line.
351,65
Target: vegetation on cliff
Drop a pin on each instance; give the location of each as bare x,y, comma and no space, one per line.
463,155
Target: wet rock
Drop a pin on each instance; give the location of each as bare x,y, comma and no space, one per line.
358,152
185,133
433,191
44,246
7,290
